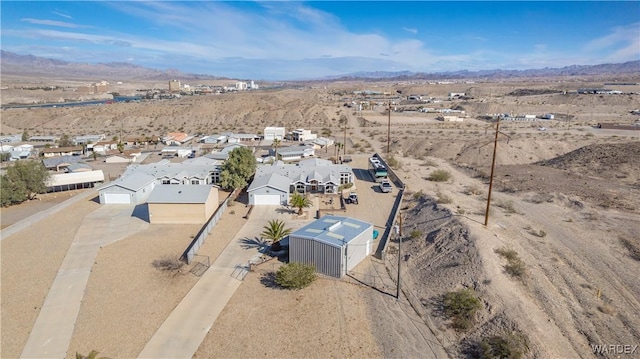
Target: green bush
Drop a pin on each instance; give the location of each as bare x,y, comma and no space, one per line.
439,176
461,306
295,275
515,267
443,198
510,346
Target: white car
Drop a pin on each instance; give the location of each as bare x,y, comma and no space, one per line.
385,186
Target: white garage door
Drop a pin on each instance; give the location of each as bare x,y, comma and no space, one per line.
117,198
269,136
266,199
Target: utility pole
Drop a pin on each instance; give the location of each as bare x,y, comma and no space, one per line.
493,165
399,234
345,138
389,131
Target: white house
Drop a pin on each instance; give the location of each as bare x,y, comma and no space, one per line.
271,189
274,133
293,153
176,151
301,134
133,189
323,142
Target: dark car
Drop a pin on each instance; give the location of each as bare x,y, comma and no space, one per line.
353,198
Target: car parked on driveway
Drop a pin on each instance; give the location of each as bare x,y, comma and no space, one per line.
385,186
353,198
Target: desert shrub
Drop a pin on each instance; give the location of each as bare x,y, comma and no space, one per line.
295,275
541,233
168,263
419,195
541,197
461,306
509,346
393,163
439,176
443,198
415,234
507,206
515,267
607,309
430,163
633,248
473,190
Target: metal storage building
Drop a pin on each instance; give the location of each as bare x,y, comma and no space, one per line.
333,244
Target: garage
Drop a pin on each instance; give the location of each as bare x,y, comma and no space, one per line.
132,189
266,199
269,190
117,198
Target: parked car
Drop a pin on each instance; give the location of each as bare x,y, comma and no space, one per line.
353,198
385,186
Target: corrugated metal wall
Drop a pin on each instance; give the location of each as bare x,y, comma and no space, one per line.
328,260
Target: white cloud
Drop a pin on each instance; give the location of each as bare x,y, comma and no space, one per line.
411,30
621,44
50,23
62,15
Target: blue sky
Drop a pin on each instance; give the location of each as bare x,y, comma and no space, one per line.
286,40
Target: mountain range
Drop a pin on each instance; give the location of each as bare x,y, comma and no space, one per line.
29,65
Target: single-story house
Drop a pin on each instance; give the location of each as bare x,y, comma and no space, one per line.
293,153
19,155
214,139
240,137
182,204
176,151
103,147
74,180
132,189
312,175
334,245
176,138
49,139
23,147
5,148
223,154
274,133
80,140
125,157
59,163
271,189
62,151
323,142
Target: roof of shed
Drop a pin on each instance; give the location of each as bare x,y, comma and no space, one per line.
180,194
333,230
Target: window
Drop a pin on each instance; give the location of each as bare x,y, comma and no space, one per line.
166,181
195,181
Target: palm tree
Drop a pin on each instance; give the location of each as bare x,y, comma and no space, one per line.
275,144
275,231
338,147
299,201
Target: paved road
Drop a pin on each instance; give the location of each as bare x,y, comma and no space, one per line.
52,331
186,327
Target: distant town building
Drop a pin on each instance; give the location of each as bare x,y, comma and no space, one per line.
94,88
174,86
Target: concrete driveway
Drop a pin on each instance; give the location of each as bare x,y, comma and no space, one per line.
52,331
186,327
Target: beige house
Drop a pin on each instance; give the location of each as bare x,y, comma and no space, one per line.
182,204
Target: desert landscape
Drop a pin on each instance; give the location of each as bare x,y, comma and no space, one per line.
565,209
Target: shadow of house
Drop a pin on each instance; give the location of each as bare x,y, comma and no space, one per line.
141,211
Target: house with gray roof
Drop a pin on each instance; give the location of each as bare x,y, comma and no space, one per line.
293,153
313,175
132,189
270,189
197,171
334,245
60,163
